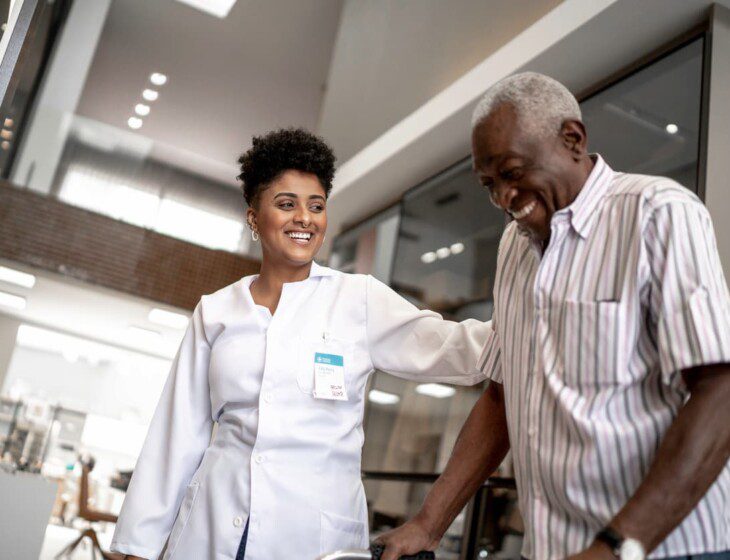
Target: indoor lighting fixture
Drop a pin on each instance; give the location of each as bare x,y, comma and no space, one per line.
672,128
12,301
435,390
6,134
142,110
8,123
139,335
428,257
381,397
134,122
217,8
158,79
16,277
168,318
4,144
457,248
150,95
443,252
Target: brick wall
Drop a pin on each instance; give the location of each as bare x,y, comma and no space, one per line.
42,232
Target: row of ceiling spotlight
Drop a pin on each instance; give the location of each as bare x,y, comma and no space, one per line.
442,253
6,134
142,109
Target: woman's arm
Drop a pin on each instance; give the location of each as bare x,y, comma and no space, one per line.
178,436
419,344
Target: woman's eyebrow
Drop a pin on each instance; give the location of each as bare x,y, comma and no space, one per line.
285,194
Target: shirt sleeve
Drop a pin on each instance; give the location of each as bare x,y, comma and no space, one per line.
689,302
490,361
419,344
179,433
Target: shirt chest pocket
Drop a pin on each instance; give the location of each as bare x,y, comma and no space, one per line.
308,347
592,347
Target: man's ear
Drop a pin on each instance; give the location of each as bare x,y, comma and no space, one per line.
574,137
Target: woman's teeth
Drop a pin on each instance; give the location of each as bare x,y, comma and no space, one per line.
525,211
299,235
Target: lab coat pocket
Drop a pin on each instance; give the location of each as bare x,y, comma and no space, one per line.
182,518
337,533
308,347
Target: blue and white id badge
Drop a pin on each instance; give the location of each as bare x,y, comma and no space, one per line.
329,377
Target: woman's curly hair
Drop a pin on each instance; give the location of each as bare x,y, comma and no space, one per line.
281,150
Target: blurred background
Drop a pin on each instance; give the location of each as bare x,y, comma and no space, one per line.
119,206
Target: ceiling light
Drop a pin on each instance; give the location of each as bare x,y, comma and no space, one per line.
435,390
134,122
158,79
12,301
142,109
218,8
457,248
16,277
428,257
6,134
150,95
139,335
672,128
443,252
168,318
8,123
4,144
381,397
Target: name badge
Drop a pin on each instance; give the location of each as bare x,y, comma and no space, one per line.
329,377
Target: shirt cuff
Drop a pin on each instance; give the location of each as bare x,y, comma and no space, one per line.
490,360
134,550
696,335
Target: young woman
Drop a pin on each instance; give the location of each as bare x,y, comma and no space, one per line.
280,362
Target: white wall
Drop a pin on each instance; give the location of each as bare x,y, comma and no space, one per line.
8,332
60,92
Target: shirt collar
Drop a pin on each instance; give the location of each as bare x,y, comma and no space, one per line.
583,208
318,270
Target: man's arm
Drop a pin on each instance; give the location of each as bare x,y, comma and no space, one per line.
482,444
691,456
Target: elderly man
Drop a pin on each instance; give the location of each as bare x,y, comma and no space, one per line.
610,375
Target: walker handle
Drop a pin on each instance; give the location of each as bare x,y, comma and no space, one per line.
377,551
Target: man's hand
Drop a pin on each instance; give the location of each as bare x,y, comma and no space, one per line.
410,538
597,551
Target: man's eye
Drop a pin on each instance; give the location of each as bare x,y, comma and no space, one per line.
511,174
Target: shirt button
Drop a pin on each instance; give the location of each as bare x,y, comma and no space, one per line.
531,432
237,521
259,459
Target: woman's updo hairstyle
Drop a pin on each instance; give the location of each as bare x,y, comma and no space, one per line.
281,150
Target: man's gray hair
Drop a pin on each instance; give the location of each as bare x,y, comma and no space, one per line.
542,103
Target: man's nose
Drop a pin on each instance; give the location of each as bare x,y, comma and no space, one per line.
502,195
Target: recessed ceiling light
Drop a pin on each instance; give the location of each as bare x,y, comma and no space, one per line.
218,8
4,144
443,252
158,79
428,257
12,301
8,123
457,248
142,109
381,397
435,390
150,95
672,128
6,134
134,122
168,318
16,277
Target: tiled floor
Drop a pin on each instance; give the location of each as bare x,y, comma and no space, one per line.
58,537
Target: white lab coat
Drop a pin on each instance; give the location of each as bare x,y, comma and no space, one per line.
280,458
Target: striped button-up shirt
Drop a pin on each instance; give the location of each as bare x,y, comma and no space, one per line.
591,337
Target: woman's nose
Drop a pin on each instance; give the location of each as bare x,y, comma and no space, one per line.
302,217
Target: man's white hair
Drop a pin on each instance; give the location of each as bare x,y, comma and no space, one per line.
542,103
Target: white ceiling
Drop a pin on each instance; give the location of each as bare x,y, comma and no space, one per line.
262,67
